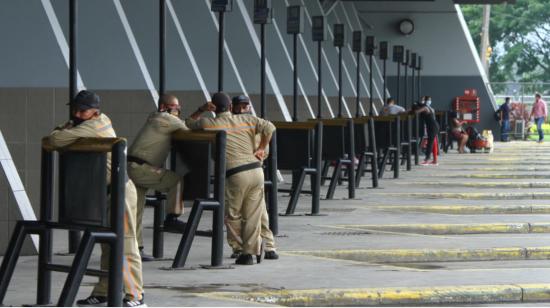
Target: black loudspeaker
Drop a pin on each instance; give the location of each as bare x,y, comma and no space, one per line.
262,11
221,5
318,28
413,60
370,45
295,19
407,57
339,35
419,67
398,53
383,50
357,43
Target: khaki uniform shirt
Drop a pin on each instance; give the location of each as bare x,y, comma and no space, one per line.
241,135
98,127
153,141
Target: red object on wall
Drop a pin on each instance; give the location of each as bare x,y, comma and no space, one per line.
467,106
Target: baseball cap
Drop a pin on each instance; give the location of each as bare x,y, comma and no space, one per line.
221,101
241,99
85,100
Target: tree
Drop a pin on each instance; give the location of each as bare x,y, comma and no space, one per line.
520,37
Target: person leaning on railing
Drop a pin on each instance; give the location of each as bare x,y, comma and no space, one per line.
146,157
88,121
244,186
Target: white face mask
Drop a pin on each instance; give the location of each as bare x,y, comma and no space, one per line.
429,102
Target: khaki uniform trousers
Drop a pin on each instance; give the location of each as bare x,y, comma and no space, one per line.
244,205
265,233
131,266
147,177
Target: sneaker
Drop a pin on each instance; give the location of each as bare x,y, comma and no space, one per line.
93,301
434,163
244,259
271,255
133,303
145,257
425,163
236,254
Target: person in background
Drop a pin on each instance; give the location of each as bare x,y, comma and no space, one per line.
540,114
504,112
458,131
391,108
427,116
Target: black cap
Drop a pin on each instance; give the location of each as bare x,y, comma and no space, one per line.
221,101
85,100
241,99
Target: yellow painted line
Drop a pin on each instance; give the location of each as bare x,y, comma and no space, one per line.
472,196
482,184
394,296
468,209
449,229
430,255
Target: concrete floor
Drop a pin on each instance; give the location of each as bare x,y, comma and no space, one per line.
195,286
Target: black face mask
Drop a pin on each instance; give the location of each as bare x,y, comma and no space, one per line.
78,121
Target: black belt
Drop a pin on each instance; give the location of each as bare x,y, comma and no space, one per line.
242,168
137,160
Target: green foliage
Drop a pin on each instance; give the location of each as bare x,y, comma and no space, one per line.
520,37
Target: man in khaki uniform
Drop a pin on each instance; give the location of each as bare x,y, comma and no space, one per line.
241,105
90,122
146,157
244,186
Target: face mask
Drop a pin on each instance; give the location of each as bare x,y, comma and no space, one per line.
429,102
77,121
174,111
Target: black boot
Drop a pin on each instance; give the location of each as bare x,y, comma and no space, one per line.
271,255
144,256
172,222
244,259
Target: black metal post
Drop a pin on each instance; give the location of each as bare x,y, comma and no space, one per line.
317,161
220,50
74,236
413,85
398,92
262,69
44,279
219,196
295,79
358,85
339,82
118,187
406,85
371,102
419,86
162,47
384,80
319,80
273,203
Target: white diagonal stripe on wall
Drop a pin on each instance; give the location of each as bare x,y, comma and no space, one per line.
137,51
230,56
19,193
188,50
269,73
60,37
